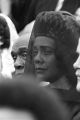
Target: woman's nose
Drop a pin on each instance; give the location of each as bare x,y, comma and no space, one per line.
38,58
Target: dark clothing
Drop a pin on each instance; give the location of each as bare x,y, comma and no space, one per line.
71,98
68,95
25,11
71,5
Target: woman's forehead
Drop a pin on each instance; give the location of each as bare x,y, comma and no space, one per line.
44,41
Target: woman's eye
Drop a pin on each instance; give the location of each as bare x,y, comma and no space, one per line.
34,53
47,52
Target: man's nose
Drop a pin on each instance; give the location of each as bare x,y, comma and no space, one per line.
77,63
18,63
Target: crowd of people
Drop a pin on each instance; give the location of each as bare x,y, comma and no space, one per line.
40,60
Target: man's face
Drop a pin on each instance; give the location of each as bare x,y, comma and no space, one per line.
19,54
44,58
76,65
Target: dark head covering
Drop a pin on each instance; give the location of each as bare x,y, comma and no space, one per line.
4,33
63,28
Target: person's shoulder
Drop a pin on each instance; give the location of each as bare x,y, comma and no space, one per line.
71,98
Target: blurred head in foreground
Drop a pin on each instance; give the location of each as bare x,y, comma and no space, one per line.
19,53
52,46
24,99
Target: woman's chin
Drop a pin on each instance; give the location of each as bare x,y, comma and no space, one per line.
40,77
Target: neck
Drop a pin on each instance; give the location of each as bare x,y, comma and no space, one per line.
61,83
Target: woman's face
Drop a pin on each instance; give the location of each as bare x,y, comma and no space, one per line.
44,58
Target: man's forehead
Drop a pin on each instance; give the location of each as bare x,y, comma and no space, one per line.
20,44
20,50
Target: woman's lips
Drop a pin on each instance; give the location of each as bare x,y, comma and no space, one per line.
40,70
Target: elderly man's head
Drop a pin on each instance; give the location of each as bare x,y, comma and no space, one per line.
52,45
19,53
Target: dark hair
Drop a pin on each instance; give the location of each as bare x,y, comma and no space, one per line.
4,33
63,27
24,94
